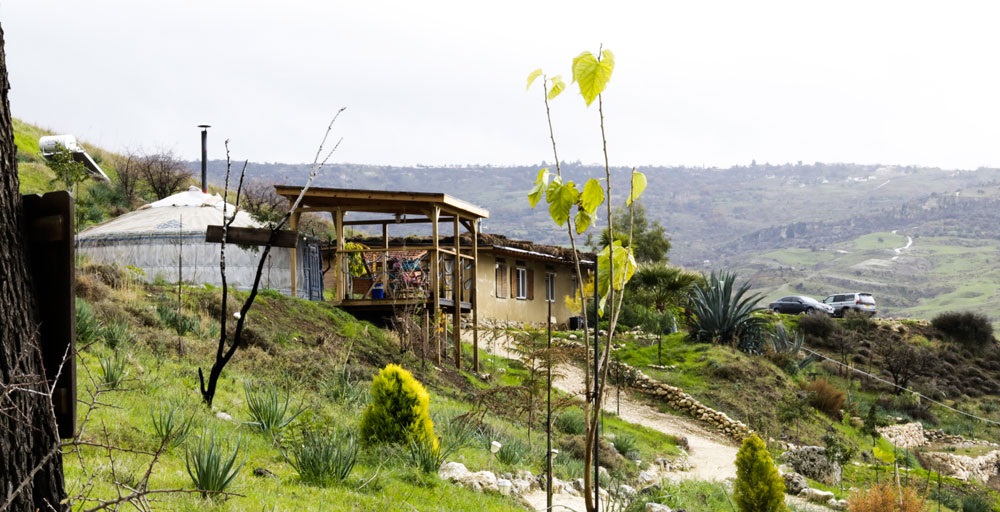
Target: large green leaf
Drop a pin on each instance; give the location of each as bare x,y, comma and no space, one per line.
540,183
583,220
624,269
532,76
558,86
561,197
592,197
593,74
638,186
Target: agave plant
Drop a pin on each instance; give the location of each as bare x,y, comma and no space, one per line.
785,342
723,313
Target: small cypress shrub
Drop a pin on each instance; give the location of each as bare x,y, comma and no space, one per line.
399,412
758,487
967,328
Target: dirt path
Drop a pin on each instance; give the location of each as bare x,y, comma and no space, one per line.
711,456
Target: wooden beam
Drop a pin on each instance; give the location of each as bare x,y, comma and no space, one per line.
374,222
293,223
475,294
251,236
435,281
456,291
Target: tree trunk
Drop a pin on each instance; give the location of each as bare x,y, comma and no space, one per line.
31,475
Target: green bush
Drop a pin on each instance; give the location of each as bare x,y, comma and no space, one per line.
181,323
268,408
88,327
114,369
170,425
400,410
758,487
511,452
967,328
723,313
117,335
571,422
818,326
627,445
209,467
322,458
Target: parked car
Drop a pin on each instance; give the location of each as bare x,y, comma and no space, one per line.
799,304
858,301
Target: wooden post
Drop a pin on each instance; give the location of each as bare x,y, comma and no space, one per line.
435,278
342,278
456,292
293,224
48,237
475,295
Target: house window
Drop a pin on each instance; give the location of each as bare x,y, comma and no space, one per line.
550,286
501,279
522,282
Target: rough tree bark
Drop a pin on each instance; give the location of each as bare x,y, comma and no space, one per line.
31,475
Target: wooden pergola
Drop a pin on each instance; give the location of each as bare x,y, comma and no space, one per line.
439,278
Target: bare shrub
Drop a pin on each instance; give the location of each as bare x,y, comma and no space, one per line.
884,498
825,397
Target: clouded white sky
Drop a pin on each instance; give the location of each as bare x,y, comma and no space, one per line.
713,83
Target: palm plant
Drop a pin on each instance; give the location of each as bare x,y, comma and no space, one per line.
722,312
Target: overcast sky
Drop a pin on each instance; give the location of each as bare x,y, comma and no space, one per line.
433,82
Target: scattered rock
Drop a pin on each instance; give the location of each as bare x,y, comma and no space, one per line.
811,462
816,495
656,507
261,472
223,416
795,483
837,504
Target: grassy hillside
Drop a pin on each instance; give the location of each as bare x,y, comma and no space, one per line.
323,360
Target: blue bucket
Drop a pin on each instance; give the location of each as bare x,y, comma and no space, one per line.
378,292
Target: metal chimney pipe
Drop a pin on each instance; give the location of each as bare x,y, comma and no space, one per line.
204,157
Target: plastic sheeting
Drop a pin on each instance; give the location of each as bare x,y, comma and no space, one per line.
166,239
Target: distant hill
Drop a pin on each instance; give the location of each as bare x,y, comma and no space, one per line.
811,229
759,220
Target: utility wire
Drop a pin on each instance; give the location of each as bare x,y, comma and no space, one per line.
922,397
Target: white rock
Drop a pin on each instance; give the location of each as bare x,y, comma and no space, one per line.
627,491
504,486
650,476
816,495
656,507
223,416
452,471
837,504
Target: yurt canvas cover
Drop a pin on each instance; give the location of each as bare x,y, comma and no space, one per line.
167,238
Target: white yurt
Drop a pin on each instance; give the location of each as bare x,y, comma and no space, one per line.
166,239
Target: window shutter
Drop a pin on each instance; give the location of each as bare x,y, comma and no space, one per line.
501,280
531,284
513,282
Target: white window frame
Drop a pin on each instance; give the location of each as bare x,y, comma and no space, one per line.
550,286
522,284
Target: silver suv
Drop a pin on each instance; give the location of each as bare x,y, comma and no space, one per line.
860,302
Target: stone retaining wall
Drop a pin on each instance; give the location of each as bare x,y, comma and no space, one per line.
677,399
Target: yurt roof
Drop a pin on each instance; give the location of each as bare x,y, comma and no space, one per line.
184,213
